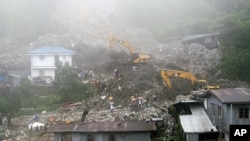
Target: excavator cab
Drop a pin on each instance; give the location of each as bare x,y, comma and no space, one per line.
200,84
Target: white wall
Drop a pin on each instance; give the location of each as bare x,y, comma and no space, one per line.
65,58
47,72
47,63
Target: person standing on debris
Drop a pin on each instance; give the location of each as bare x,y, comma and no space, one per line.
134,68
147,102
9,120
154,100
111,107
111,103
1,119
111,98
140,101
36,118
116,73
132,100
84,114
51,119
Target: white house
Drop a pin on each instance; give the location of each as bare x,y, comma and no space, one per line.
43,61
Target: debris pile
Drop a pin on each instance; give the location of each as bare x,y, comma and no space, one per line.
140,84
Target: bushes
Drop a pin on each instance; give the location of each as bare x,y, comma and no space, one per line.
27,99
3,105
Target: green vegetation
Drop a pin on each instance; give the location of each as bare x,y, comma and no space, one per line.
235,40
68,88
177,130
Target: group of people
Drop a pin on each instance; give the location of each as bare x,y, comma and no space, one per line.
140,102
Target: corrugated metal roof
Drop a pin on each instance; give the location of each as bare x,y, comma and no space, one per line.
50,50
232,95
198,122
191,37
112,126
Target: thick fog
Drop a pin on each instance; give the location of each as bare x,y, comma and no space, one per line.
33,18
146,24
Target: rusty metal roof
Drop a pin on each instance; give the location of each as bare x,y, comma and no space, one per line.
110,126
231,95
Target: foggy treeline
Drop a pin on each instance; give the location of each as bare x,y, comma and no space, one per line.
164,18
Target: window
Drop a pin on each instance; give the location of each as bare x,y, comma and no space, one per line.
111,137
219,111
66,137
90,137
212,110
243,112
41,57
207,136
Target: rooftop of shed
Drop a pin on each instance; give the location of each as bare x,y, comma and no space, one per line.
198,121
112,126
230,95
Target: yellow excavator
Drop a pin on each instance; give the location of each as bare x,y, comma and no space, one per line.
135,57
197,84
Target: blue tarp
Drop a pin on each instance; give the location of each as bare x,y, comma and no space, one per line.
2,78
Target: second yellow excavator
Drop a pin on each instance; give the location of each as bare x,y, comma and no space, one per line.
135,57
197,84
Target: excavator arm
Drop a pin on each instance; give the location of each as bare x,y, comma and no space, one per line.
112,39
181,74
165,79
136,57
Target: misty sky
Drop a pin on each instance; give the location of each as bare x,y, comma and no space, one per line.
18,16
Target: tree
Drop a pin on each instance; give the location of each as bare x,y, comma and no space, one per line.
66,80
25,87
235,40
3,105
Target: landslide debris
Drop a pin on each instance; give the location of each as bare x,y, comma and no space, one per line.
143,82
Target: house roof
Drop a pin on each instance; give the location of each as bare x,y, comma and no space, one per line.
112,126
192,37
197,122
51,50
230,95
